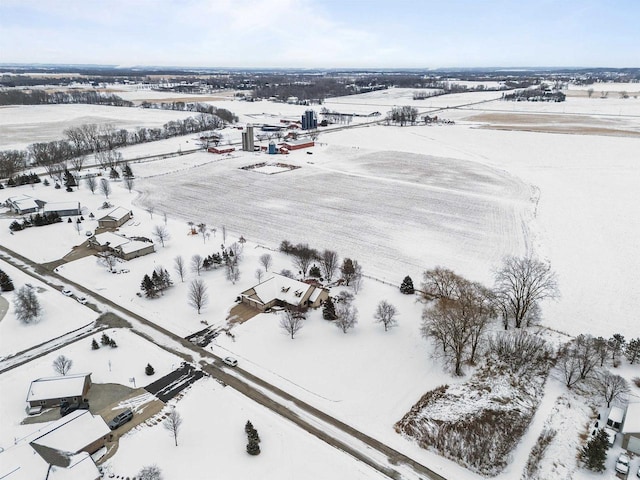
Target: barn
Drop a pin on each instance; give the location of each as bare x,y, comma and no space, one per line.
298,144
220,150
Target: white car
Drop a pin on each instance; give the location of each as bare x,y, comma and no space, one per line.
611,435
622,465
66,292
82,300
232,362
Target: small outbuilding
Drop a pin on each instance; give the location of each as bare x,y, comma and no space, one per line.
51,391
116,217
631,429
220,150
615,418
64,209
298,144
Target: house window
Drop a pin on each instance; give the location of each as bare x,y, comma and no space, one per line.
43,402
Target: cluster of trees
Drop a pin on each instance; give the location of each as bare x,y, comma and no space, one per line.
535,95
157,283
37,220
40,97
198,107
328,263
106,341
6,284
253,439
594,453
460,310
24,179
403,115
12,162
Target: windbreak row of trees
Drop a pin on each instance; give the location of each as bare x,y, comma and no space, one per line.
41,97
198,107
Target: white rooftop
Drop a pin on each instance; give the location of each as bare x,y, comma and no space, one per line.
632,421
22,462
116,214
57,206
133,246
283,288
72,432
56,387
112,239
616,414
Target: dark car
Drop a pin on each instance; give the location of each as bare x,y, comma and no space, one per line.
66,408
120,419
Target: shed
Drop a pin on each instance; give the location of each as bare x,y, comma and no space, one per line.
64,209
116,217
50,391
298,144
631,429
220,150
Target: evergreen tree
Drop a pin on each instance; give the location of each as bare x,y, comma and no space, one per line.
127,172
94,345
594,453
329,310
406,286
632,352
148,286
253,448
314,271
149,370
105,340
113,174
6,284
69,180
112,343
248,427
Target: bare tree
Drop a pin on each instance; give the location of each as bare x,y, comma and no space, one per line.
610,387
346,317
265,261
303,255
259,275
77,162
570,369
233,272
62,364
202,230
198,296
196,263
164,217
386,315
161,233
440,283
329,263
356,279
292,321
179,267
108,260
105,187
26,305
172,423
92,183
586,353
590,92
150,209
128,183
78,226
520,284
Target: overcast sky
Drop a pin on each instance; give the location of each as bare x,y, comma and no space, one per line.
322,33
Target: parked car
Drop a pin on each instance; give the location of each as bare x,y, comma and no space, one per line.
622,465
232,362
120,419
611,434
638,473
67,292
66,408
82,300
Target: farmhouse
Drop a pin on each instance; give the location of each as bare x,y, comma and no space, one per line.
123,247
64,209
28,462
282,291
116,217
23,204
631,429
50,391
298,144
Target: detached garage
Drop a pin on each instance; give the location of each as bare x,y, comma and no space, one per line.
631,429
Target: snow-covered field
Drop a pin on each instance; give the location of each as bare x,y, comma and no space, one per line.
399,200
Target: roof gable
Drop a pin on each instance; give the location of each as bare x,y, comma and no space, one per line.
57,387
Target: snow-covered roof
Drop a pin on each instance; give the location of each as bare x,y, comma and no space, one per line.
301,141
56,387
22,462
117,213
315,294
632,420
72,432
134,246
616,414
60,206
111,239
282,288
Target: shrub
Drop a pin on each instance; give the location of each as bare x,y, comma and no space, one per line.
105,340
94,345
636,381
149,370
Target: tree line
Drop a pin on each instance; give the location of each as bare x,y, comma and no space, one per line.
41,97
198,107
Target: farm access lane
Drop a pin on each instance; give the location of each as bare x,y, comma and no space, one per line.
242,381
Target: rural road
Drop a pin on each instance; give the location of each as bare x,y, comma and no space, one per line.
247,384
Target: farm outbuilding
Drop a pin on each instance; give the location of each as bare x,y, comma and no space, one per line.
631,429
116,217
64,209
220,150
50,391
298,144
